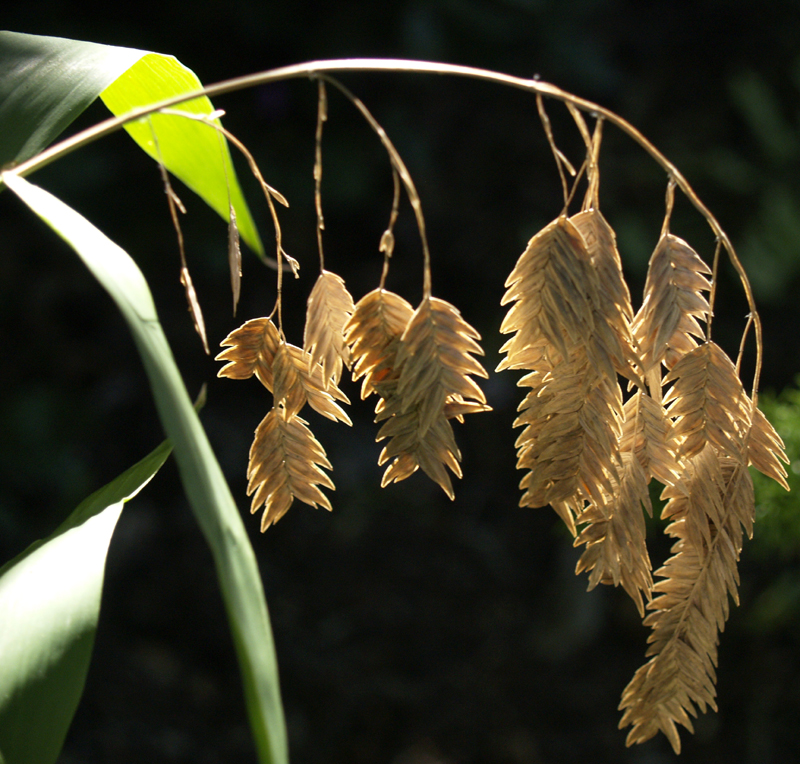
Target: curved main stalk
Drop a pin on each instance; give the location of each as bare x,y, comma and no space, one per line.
312,68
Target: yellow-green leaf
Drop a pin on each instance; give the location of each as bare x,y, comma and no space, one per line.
193,152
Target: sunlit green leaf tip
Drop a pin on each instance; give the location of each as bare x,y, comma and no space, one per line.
194,152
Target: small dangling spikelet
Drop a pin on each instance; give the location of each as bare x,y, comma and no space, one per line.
601,243
666,324
329,308
550,287
373,335
435,362
707,402
415,409
285,464
613,313
709,510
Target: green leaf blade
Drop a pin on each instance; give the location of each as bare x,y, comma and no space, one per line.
47,82
201,475
195,153
49,607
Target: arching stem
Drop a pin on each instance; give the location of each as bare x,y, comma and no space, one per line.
317,68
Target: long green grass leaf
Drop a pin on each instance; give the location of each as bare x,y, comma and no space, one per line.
49,605
203,481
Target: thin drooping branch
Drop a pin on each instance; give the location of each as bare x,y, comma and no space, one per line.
271,194
322,116
176,204
315,68
399,166
561,160
387,239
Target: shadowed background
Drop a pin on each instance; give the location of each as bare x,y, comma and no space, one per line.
409,629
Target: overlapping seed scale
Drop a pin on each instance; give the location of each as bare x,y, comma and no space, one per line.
668,319
373,333
455,407
251,349
286,462
329,309
708,402
295,384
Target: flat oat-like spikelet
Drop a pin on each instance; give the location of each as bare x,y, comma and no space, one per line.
251,349
329,308
601,242
613,311
373,334
646,433
666,324
285,464
570,444
435,362
552,287
707,402
616,552
765,450
692,605
295,384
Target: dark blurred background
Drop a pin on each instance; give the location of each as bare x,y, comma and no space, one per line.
409,629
